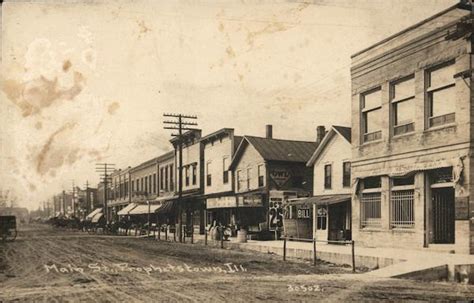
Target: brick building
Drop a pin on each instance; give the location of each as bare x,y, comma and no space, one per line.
412,130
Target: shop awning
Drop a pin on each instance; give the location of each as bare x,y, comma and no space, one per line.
97,217
167,208
124,211
143,209
321,200
93,213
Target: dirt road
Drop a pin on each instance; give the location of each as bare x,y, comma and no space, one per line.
50,265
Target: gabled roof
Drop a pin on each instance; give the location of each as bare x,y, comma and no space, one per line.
276,149
344,132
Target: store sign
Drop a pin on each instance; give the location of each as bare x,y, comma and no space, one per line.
275,210
280,176
221,202
303,213
250,201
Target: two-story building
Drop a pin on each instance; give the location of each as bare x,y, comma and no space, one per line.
268,172
120,182
221,203
331,201
191,205
412,126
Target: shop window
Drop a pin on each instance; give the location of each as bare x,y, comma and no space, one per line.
372,182
442,175
441,95
321,218
261,177
402,209
403,106
371,115
370,210
346,174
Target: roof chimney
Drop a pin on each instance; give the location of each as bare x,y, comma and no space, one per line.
320,132
269,129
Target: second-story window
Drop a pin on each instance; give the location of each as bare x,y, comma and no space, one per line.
239,180
146,184
225,169
208,174
171,177
194,167
403,106
249,177
154,182
261,176
133,186
187,175
150,181
162,179
441,95
346,174
327,176
372,115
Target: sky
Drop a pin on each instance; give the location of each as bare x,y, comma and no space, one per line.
88,81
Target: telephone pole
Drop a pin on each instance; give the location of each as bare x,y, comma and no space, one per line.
88,206
180,125
104,170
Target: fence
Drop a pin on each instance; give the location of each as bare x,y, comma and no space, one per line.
157,234
314,241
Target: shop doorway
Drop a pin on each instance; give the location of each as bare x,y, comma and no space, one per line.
339,225
443,215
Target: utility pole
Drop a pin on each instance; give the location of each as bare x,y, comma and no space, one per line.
73,199
88,206
180,125
104,170
64,202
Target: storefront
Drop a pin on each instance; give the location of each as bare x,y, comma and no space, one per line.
236,212
326,217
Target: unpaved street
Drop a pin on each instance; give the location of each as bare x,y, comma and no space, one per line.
50,265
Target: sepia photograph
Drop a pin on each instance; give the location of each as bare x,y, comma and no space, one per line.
236,151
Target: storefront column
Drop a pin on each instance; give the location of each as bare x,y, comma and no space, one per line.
385,203
419,206
314,221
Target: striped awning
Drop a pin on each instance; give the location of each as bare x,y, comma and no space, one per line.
144,209
97,217
124,211
93,213
167,208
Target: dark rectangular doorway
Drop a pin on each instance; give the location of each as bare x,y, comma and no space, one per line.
443,215
339,228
